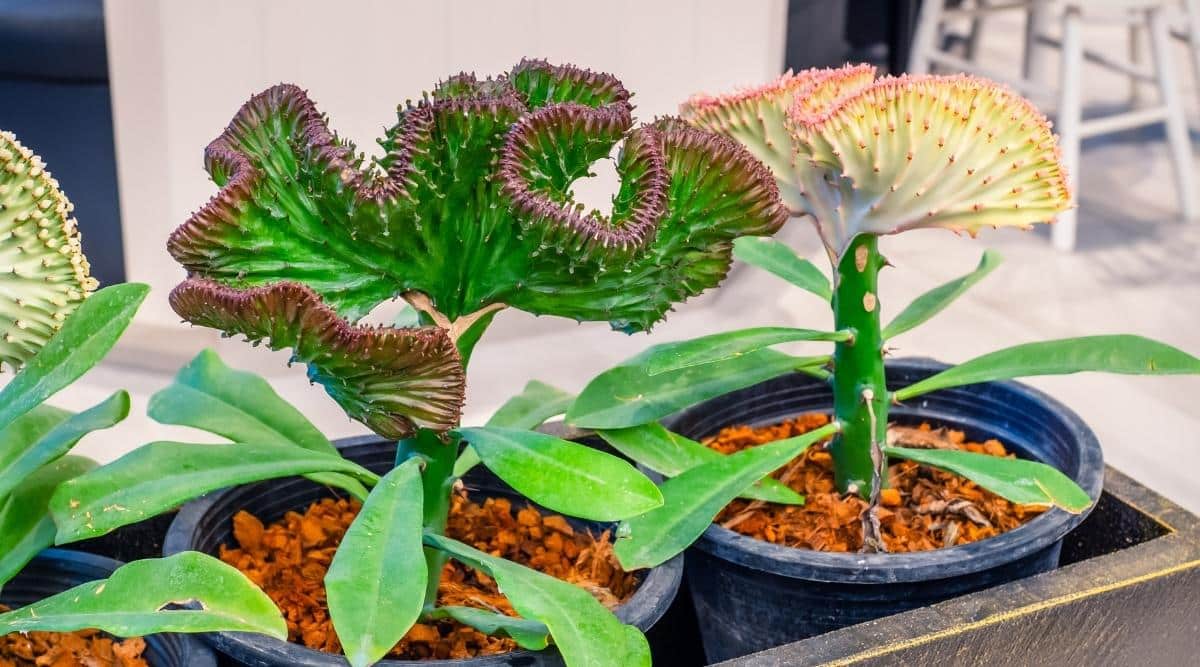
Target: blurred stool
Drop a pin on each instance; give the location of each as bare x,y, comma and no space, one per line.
1148,19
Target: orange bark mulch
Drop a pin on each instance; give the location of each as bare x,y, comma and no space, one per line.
922,509
289,558
83,648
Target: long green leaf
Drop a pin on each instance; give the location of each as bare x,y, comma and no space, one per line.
376,582
25,523
25,431
242,407
935,300
59,440
669,357
670,454
130,602
1018,480
86,336
627,395
774,256
1131,355
528,410
564,476
528,634
160,476
697,495
587,634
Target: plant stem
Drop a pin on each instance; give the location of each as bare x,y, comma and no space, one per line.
860,397
437,483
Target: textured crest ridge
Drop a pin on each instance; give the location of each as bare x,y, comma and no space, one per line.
45,274
392,380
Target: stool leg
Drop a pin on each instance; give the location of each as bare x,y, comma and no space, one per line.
925,37
1192,9
1070,111
976,28
1034,63
1137,50
1178,141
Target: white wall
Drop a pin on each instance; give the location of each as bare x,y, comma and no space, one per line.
180,70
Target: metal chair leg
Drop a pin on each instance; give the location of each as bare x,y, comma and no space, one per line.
925,37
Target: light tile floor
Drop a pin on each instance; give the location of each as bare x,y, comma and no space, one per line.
1137,270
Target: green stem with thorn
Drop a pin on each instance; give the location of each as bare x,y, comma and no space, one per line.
860,397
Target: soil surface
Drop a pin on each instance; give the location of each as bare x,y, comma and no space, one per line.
922,509
84,648
289,558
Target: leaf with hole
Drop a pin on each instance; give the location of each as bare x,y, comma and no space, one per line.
935,300
160,476
693,498
1122,353
376,582
1018,480
132,602
587,634
670,454
564,476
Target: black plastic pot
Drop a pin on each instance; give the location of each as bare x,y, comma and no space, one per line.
205,524
136,541
751,595
56,570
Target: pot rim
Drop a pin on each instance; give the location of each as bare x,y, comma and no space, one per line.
839,567
643,609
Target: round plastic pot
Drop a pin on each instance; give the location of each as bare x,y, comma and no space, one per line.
752,595
56,570
136,541
205,524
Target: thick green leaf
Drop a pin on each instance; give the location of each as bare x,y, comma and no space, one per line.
1131,355
1018,480
17,465
528,634
242,407
669,357
130,602
587,634
774,256
697,495
86,336
25,431
536,403
25,523
527,410
935,300
564,476
376,582
670,454
160,476
627,395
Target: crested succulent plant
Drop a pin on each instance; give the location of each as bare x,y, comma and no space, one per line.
468,211
45,273
863,158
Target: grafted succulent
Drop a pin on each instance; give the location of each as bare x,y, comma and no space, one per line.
469,210
880,157
43,273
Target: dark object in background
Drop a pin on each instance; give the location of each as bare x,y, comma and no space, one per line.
54,96
815,34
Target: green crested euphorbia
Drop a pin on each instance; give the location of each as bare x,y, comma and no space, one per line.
862,158
469,210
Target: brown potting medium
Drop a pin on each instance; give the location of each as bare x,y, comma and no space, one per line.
923,508
83,648
288,559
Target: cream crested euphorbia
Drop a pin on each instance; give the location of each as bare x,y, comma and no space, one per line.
862,157
870,156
